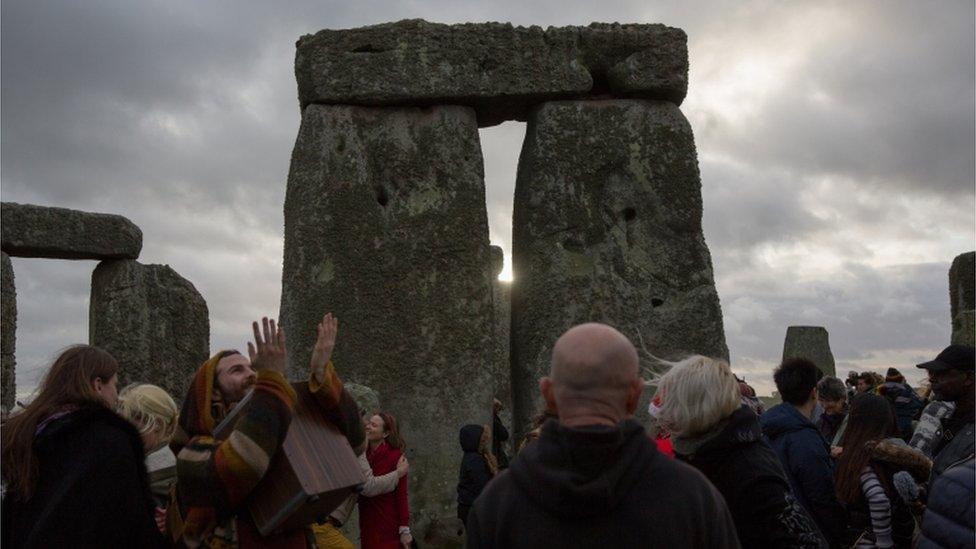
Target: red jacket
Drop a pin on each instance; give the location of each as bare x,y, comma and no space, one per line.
380,517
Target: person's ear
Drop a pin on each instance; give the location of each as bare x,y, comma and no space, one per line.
545,387
633,395
97,384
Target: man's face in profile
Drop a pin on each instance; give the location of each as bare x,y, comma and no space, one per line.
234,377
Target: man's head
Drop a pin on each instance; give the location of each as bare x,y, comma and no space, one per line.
951,373
865,382
796,381
832,394
593,376
233,376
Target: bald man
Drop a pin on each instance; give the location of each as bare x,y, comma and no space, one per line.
594,478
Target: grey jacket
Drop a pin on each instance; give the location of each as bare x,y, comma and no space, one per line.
959,449
373,486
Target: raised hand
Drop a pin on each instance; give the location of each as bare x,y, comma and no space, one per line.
268,350
322,352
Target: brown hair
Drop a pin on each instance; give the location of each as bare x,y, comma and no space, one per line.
870,419
393,437
67,383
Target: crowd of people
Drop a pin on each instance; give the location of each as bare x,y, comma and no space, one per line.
870,462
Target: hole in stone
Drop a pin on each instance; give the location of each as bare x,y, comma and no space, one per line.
656,302
573,245
382,198
630,214
368,48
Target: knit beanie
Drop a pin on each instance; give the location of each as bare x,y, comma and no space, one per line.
894,376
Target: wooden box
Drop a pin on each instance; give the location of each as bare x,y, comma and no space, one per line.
312,473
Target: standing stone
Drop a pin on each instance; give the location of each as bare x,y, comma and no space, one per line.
811,343
962,298
607,228
152,320
501,298
8,334
386,227
60,233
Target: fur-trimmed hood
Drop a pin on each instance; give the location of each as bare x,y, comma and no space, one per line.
902,457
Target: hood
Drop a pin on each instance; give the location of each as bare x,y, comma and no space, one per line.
577,473
783,419
742,427
197,414
470,437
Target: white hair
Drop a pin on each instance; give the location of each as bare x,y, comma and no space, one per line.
696,393
150,409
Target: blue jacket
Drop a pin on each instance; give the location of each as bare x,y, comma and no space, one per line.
805,456
948,520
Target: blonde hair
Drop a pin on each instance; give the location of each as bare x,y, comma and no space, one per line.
151,409
697,393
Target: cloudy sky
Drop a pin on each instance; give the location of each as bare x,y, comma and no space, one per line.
835,139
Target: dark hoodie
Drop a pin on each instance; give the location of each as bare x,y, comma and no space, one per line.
599,486
92,489
474,474
805,457
747,473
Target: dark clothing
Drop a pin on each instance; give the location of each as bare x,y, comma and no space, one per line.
948,520
805,457
462,512
747,473
906,403
499,434
474,474
92,489
830,424
956,442
599,486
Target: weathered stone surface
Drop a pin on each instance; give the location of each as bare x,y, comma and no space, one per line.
152,320
962,284
501,299
60,233
964,328
385,226
8,334
498,69
365,397
607,228
811,343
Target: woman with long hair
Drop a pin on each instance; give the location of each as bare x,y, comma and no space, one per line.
712,429
73,468
478,466
865,474
384,520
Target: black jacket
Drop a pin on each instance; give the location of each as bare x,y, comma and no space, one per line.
748,474
92,489
948,520
474,474
805,457
599,486
499,434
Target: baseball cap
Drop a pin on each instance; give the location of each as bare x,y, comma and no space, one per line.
953,357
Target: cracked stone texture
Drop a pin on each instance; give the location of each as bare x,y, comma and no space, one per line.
962,298
607,228
811,343
386,227
60,233
152,320
8,333
500,70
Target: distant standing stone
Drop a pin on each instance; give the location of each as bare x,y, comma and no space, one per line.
811,343
386,227
152,320
8,333
607,228
962,298
60,233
